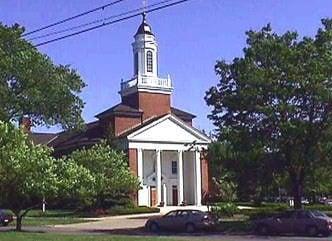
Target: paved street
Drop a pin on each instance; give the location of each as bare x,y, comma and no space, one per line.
133,225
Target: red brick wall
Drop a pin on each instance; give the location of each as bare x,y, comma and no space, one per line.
122,123
131,100
205,172
154,104
132,158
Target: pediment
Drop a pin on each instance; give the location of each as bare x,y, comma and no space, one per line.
169,129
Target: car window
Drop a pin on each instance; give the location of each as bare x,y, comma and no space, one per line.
302,215
183,213
171,214
196,212
318,214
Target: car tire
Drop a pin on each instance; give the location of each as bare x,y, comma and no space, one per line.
262,229
326,234
154,227
190,228
4,224
312,231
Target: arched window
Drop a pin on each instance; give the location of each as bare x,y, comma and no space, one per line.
149,61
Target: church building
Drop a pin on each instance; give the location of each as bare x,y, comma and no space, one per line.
164,150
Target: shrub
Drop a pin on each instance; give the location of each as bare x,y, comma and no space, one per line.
131,210
224,210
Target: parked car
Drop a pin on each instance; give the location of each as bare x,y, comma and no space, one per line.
181,220
328,202
312,223
5,218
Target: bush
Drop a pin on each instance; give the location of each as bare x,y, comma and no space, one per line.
131,210
224,210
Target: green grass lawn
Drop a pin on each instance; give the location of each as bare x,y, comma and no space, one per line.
41,221
13,236
51,217
56,216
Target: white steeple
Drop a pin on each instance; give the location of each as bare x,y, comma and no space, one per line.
145,55
145,51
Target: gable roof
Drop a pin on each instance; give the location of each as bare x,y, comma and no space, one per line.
177,122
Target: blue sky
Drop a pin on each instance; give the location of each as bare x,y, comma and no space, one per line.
191,38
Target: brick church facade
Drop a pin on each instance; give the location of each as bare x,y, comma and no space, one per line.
164,150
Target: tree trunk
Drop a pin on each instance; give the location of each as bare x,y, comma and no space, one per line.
19,223
297,183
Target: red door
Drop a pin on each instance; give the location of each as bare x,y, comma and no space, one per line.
175,195
153,196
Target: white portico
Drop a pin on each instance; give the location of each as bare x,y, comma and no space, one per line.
168,162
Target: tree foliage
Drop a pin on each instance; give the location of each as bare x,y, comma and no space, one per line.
32,85
274,103
110,168
28,174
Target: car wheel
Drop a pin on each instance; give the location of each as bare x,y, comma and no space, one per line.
326,233
312,231
190,228
262,229
154,227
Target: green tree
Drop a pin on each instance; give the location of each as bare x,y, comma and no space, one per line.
114,179
276,101
28,173
32,85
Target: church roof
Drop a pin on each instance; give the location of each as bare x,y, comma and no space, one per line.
144,28
119,109
182,114
42,138
128,110
92,133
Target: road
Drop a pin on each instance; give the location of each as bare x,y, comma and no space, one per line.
133,225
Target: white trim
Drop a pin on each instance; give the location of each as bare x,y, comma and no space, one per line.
166,146
158,152
179,122
198,178
180,176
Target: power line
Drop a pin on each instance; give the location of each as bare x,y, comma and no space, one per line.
111,22
97,21
73,17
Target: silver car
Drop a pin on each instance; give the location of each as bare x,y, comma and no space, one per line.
307,222
181,220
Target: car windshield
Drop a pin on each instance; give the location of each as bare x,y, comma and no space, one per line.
318,214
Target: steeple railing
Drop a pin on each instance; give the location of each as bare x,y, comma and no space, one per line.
147,82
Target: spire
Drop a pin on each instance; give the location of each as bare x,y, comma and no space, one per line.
144,28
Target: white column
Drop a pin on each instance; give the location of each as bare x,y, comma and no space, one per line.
180,176
140,177
198,178
158,170
165,194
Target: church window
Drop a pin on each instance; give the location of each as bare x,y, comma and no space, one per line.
149,61
174,167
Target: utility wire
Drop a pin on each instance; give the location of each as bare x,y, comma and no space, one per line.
73,17
111,22
97,21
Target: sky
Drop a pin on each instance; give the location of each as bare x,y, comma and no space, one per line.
191,38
